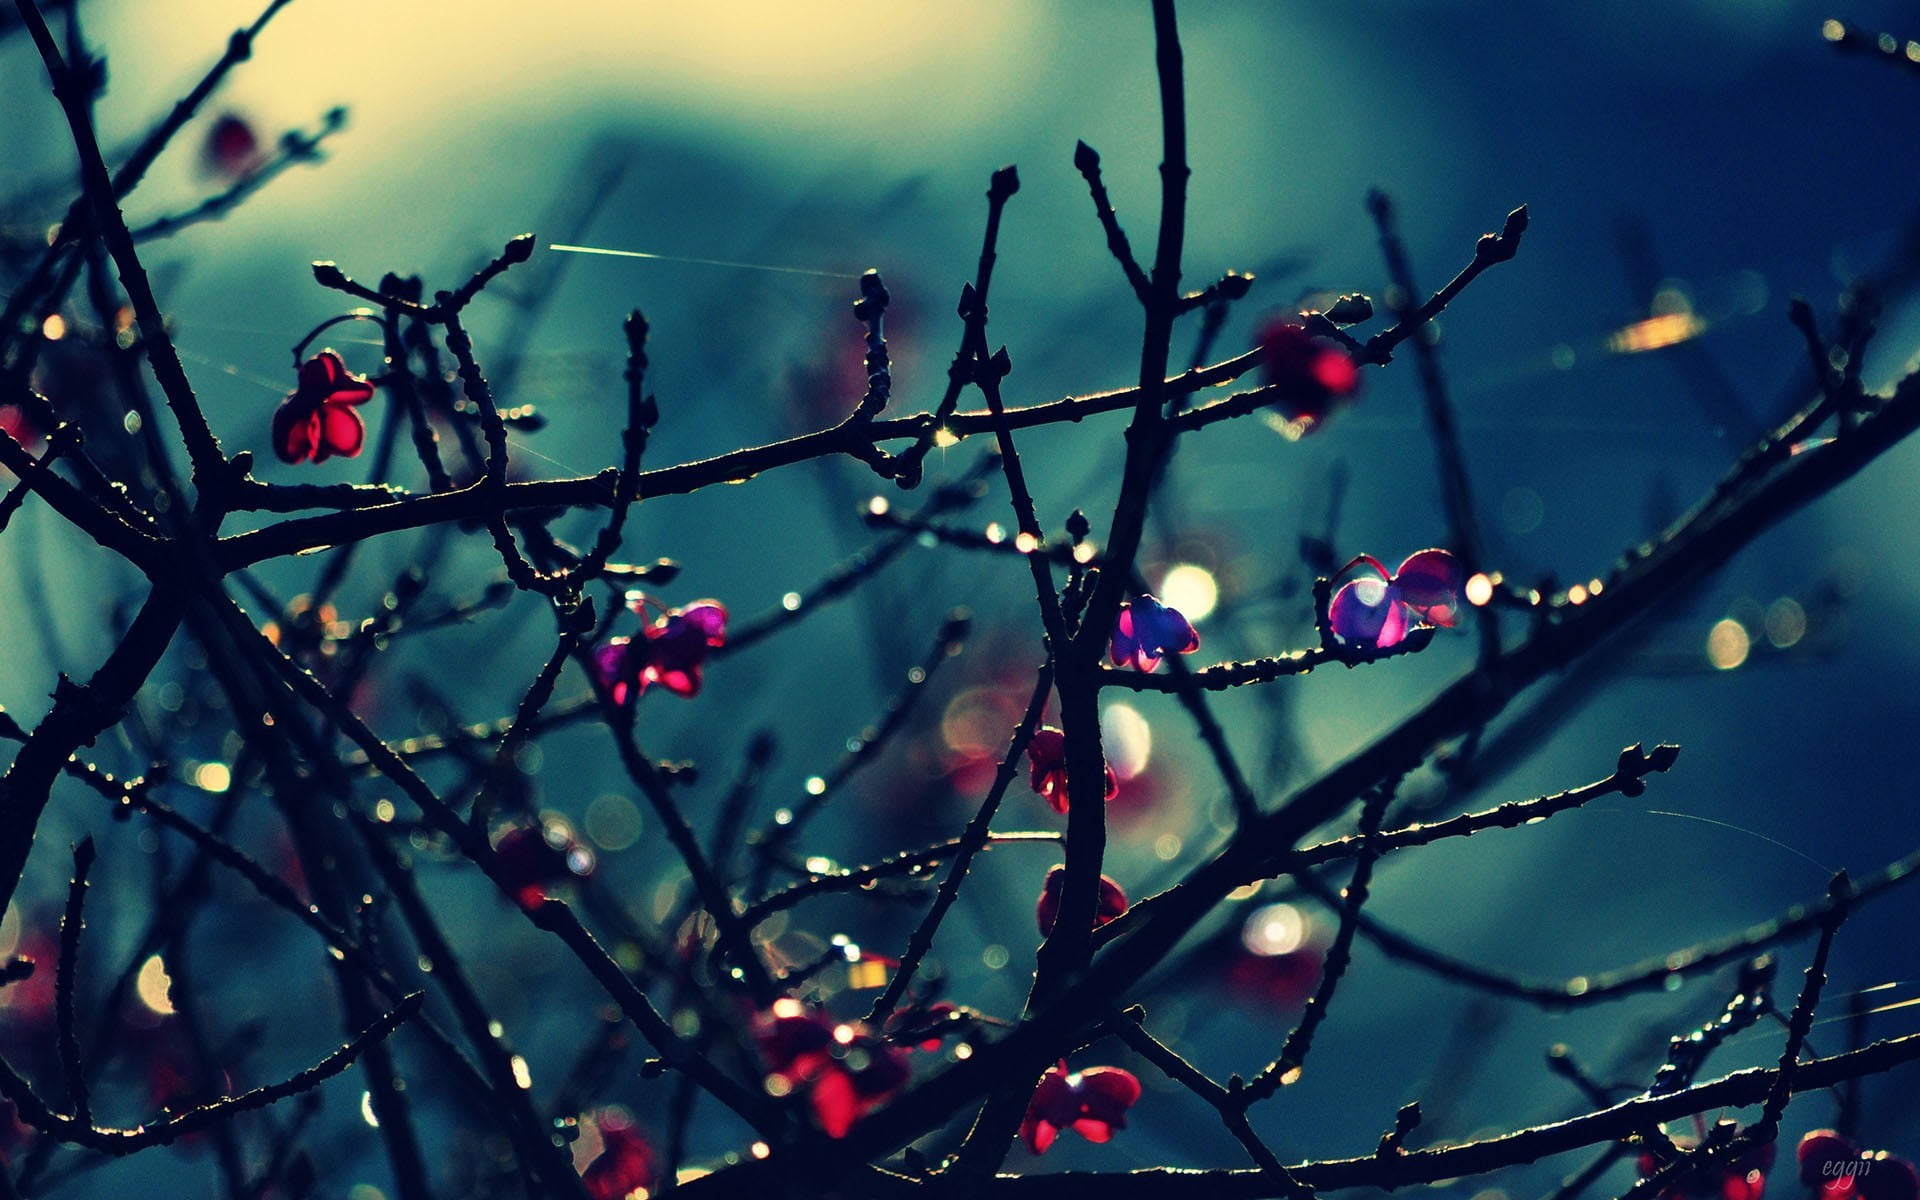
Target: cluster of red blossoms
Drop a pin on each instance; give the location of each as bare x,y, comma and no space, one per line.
671,651
845,1071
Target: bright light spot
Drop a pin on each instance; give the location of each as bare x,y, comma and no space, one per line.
1083,553
792,601
1913,52
522,1077
1290,1076
760,1150
994,957
945,438
996,533
867,973
787,1006
1479,590
1245,891
1577,594
1728,644
383,811
9,935
777,1086
1026,543
783,816
1167,847
153,986
1128,739
366,1110
1832,30
1191,589
1657,333
1888,43
54,327
213,777
816,786
1274,929
1596,586
878,506
1786,622
962,1052
819,865
843,1034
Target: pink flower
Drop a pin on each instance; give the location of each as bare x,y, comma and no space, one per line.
1092,1103
1147,631
670,652
1309,373
846,1071
317,421
1113,901
1047,768
1380,612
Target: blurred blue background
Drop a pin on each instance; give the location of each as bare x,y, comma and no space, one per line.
1711,158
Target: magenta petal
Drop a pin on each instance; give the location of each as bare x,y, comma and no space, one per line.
1124,647
341,430
710,618
681,681
1429,583
1398,622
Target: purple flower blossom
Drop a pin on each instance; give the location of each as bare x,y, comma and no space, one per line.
1146,631
1380,612
670,652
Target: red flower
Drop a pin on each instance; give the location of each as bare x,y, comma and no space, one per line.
1843,1171
1113,901
1146,631
1308,373
532,859
317,421
1424,591
846,1071
1092,1103
1047,768
622,1162
670,652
